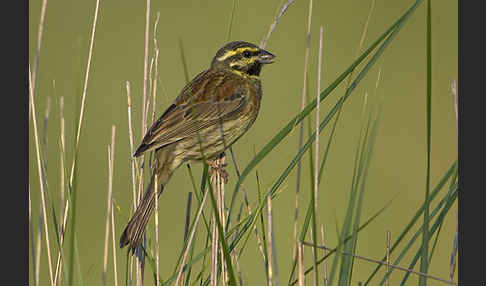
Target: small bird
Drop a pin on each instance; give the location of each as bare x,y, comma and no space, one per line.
210,114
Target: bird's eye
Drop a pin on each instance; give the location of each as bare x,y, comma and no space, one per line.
246,54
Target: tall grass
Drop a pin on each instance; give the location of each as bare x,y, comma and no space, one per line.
228,230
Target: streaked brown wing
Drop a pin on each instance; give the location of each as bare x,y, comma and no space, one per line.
213,99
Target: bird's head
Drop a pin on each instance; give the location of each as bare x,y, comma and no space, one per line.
242,58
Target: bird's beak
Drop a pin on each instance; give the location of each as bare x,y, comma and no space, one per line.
266,57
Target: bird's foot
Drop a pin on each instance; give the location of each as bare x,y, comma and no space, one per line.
218,166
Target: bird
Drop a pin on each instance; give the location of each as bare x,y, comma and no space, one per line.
208,116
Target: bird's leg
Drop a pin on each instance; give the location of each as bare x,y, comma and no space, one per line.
218,165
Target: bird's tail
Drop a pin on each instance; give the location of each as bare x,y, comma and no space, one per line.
134,231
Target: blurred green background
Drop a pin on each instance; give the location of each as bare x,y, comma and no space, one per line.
397,167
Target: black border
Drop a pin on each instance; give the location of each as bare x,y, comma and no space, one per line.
471,92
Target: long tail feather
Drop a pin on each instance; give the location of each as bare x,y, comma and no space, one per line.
134,231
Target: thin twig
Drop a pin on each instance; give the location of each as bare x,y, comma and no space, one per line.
384,263
41,183
275,22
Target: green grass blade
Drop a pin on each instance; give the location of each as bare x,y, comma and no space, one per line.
338,256
415,218
438,222
345,230
396,28
416,235
231,19
367,158
367,222
183,59
300,116
424,265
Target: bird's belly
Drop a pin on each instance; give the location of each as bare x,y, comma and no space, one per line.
214,140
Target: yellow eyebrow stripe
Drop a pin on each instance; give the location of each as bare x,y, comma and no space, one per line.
237,51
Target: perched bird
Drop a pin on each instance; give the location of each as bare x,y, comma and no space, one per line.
212,111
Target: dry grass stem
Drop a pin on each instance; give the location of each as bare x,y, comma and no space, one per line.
47,112
269,241
109,202
130,271
285,6
214,253
140,255
361,42
130,136
145,67
150,87
39,43
38,250
191,236
300,263
301,132
41,183
83,101
316,153
388,239
218,184
219,188
259,240
85,86
115,272
112,170
156,187
107,224
62,147
324,263
454,98
385,263
156,75
31,230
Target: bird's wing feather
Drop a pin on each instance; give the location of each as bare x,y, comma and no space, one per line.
214,99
